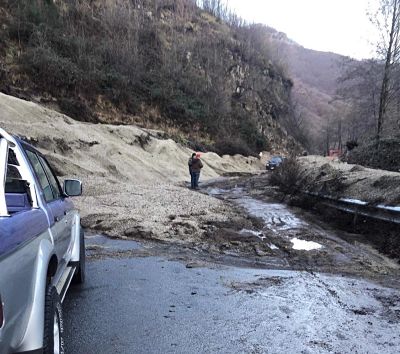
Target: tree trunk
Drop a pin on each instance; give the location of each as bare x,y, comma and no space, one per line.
386,75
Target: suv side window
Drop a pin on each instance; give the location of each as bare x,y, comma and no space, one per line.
41,175
55,185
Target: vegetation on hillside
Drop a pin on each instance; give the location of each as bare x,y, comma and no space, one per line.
372,88
316,110
385,157
166,64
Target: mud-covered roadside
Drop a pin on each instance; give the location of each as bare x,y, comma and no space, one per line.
360,248
167,213
236,221
324,176
244,275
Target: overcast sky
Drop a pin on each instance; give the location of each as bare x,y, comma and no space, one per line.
339,26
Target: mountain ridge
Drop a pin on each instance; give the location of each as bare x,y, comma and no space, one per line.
315,77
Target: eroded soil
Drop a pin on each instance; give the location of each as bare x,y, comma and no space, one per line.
247,225
261,278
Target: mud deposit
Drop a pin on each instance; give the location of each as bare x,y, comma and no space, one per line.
255,230
298,238
273,279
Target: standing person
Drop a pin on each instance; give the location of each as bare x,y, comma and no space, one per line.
190,162
197,165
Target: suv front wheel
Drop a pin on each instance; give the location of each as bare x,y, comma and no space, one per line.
53,323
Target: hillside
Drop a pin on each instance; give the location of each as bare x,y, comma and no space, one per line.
159,64
315,76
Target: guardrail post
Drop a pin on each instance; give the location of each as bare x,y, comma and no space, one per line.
3,175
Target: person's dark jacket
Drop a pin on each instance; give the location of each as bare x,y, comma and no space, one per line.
197,165
190,164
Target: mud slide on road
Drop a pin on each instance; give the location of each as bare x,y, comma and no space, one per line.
311,292
303,241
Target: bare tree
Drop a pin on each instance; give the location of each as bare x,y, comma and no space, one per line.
387,20
359,89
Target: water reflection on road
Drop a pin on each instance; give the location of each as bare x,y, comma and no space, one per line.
276,216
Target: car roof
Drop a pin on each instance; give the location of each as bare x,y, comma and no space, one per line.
25,144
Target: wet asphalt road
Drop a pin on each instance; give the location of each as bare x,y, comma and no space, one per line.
153,305
144,301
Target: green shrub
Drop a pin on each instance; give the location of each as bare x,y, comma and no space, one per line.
50,71
232,146
30,15
249,133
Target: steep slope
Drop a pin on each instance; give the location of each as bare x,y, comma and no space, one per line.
161,64
116,153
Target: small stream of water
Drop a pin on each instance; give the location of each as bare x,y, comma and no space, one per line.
276,216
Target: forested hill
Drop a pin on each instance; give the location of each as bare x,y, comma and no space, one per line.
315,75
199,74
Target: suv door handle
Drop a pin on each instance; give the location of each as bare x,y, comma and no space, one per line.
56,219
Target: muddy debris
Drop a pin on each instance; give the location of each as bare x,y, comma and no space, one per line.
137,232
350,181
242,221
257,285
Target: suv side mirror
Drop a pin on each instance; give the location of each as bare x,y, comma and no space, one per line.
72,187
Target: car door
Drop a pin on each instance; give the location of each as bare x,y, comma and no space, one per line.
57,208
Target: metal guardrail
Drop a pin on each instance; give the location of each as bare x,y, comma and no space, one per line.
360,208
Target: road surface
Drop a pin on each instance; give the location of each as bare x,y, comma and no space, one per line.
148,303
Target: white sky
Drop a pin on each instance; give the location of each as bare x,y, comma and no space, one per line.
339,26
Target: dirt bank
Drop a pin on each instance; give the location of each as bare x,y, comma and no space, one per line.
121,153
134,180
342,180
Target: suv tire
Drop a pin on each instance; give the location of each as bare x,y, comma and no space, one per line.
53,340
79,276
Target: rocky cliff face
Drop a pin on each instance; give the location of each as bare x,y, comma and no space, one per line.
160,64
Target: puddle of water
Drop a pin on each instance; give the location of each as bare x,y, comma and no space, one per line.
237,191
273,247
276,216
305,245
252,232
259,234
216,191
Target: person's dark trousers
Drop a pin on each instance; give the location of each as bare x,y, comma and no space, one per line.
192,180
196,179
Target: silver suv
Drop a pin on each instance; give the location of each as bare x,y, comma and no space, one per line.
42,249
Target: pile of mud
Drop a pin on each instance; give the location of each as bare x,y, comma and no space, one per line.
385,157
124,153
342,180
135,182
